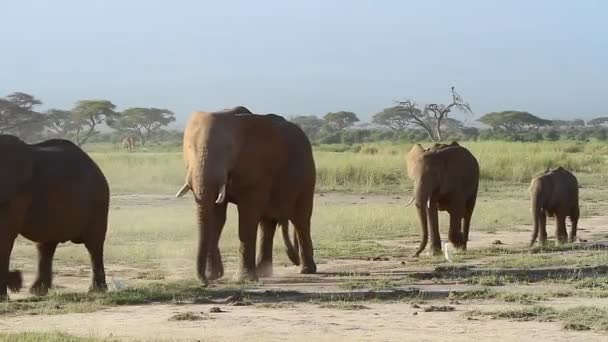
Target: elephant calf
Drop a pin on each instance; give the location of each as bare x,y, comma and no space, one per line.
50,192
554,193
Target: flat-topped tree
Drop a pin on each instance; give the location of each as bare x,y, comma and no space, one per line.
17,110
88,115
144,123
513,122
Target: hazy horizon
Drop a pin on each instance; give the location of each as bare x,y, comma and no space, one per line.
309,58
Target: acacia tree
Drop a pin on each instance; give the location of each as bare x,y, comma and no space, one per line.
395,118
17,110
513,122
431,116
338,121
310,124
85,118
598,122
143,122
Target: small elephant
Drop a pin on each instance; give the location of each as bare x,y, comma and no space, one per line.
554,193
128,143
50,192
263,164
446,177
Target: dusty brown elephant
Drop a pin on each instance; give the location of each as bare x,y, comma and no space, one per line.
446,177
554,193
264,165
50,192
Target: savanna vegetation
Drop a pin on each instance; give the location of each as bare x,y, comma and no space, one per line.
359,216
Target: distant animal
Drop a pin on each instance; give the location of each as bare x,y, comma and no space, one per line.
263,164
446,177
128,143
554,193
50,192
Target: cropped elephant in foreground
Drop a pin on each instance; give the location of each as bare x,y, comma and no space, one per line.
50,192
446,177
554,193
264,165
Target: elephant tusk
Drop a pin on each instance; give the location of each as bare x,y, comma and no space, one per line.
409,202
183,190
445,252
222,195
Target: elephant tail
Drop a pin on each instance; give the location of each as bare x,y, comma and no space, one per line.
292,249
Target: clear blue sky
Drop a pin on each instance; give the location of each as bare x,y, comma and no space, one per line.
309,57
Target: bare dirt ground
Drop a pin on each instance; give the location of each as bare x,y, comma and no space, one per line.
375,320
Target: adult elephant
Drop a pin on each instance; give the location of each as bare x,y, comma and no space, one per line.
446,178
264,165
554,193
50,192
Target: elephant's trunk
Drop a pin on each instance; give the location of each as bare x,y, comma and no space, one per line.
292,250
422,200
208,185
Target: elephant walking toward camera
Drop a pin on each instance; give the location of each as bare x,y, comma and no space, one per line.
554,193
446,177
50,192
264,165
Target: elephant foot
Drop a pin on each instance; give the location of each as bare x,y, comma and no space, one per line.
435,251
215,268
308,269
264,269
244,276
214,274
98,287
15,281
39,288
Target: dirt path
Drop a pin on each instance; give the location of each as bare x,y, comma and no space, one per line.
303,322
376,321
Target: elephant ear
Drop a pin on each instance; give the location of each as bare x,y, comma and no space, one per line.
17,166
413,158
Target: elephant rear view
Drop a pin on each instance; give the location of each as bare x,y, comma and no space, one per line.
51,192
446,177
554,193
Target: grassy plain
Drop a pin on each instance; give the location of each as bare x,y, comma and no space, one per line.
151,243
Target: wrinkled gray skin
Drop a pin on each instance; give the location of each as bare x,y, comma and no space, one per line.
554,193
264,165
50,193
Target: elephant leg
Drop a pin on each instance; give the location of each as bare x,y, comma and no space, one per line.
248,223
542,228
302,229
560,229
95,248
455,230
215,267
43,281
574,222
7,279
264,258
466,224
433,219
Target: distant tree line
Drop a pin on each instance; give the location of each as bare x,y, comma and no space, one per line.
404,121
19,115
